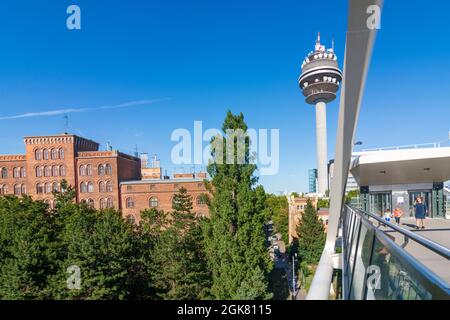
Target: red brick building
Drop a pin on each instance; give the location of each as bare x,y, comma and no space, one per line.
102,179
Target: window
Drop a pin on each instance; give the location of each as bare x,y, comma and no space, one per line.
90,187
102,186
39,188
55,187
89,170
61,153
102,204
83,187
82,170
101,170
153,202
130,203
109,203
23,172
47,171
38,154
108,169
38,171
48,188
17,189
62,171
109,186
46,154
16,172
54,154
90,203
201,200
24,189
4,189
4,173
55,170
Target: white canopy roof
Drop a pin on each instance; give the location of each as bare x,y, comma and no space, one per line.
406,166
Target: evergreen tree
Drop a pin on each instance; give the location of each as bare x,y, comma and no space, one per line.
28,254
103,245
234,235
311,236
177,263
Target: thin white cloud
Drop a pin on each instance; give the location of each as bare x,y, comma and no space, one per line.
78,110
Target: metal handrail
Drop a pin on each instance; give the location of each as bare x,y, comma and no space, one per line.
434,284
433,246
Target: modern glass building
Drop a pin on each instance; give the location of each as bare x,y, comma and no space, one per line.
312,174
395,178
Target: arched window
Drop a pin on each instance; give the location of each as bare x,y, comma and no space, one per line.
38,171
153,202
48,188
16,172
55,187
109,186
38,154
47,171
89,170
61,153
102,186
83,187
39,188
109,203
90,187
4,189
62,171
102,204
101,170
17,189
130,203
23,172
55,170
24,189
82,170
55,154
4,173
91,203
46,154
108,169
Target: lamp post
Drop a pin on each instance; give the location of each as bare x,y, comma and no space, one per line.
293,275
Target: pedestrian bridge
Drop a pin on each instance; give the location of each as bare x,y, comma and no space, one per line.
383,261
379,260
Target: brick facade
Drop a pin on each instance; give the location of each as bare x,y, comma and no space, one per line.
101,178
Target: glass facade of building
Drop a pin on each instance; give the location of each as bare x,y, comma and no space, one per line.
312,173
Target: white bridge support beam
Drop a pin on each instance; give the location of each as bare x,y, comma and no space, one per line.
358,52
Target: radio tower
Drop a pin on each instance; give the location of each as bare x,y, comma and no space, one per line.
319,82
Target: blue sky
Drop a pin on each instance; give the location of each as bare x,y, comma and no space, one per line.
208,56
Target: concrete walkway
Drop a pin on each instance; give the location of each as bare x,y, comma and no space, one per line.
436,230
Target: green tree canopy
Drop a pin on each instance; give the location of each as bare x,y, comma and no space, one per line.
234,236
311,235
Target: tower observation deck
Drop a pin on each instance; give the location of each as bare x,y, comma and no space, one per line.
319,82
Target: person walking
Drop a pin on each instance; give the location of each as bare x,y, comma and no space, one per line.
397,215
420,211
388,215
